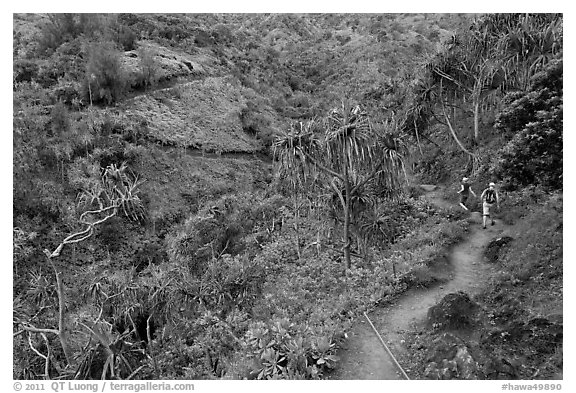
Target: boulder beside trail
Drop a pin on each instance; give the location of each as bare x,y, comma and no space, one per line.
449,358
454,311
493,248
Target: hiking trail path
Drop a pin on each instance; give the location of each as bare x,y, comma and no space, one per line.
363,355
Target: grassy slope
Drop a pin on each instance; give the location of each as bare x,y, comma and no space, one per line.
178,183
200,114
205,113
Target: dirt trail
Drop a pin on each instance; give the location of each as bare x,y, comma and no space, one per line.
364,356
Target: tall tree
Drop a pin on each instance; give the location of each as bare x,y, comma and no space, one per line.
476,67
345,154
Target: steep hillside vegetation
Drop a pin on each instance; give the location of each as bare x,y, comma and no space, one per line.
181,182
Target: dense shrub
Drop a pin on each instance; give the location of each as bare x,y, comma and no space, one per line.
256,123
24,70
66,63
105,79
57,29
123,35
535,118
60,121
230,225
68,92
60,28
148,68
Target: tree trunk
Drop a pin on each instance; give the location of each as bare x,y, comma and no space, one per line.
418,138
297,224
347,225
62,329
476,101
348,195
454,132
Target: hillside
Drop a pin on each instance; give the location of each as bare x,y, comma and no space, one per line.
180,204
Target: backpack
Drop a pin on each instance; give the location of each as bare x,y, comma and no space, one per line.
490,196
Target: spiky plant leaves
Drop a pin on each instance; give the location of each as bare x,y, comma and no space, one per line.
346,155
293,151
118,190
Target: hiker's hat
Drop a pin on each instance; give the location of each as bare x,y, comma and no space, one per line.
492,184
465,179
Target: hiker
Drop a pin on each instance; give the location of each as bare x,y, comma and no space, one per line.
489,197
465,192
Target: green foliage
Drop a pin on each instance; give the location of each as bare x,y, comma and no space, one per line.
149,69
525,297
250,285
281,350
122,34
471,71
385,224
344,155
256,123
60,122
25,70
62,28
230,225
117,188
105,79
535,119
231,283
21,240
58,29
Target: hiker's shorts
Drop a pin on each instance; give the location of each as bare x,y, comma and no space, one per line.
463,198
486,208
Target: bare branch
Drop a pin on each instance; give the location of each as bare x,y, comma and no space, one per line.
446,76
135,372
85,234
104,219
454,133
33,329
438,120
47,365
101,210
352,253
34,349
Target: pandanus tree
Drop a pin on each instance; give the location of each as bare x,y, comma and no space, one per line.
472,71
345,154
116,193
466,72
525,43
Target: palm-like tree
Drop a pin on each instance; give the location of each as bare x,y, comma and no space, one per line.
499,53
523,42
343,152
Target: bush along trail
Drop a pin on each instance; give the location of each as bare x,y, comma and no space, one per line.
365,357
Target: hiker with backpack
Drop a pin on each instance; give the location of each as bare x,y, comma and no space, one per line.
489,197
465,192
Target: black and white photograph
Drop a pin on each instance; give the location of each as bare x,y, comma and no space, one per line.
333,196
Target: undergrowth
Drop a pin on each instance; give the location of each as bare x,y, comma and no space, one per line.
231,297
